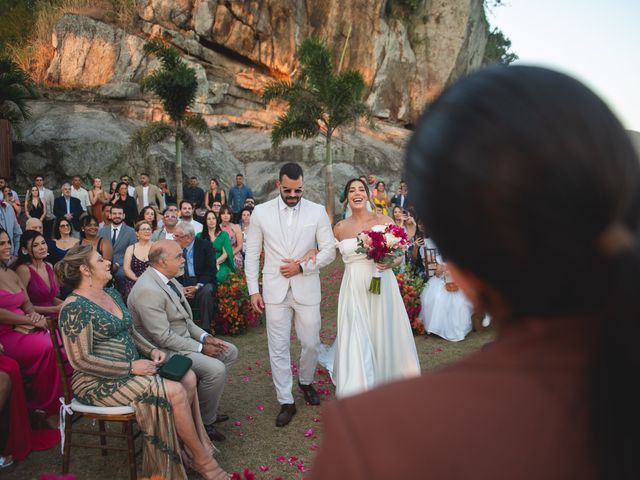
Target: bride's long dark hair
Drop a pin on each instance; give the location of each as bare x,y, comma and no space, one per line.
526,179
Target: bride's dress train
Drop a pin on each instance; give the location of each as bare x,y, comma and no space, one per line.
374,343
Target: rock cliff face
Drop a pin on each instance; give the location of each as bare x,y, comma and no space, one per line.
406,56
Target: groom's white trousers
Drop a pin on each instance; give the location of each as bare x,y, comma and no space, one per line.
307,323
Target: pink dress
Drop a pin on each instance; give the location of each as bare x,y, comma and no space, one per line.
21,439
41,294
238,259
34,354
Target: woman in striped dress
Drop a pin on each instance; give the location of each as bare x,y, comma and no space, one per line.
115,366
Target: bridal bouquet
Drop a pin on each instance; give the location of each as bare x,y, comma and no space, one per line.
382,244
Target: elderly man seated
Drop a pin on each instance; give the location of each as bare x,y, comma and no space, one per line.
163,316
199,277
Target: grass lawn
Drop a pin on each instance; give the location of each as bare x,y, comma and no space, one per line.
253,440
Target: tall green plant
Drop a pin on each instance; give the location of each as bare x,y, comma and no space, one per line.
16,87
176,85
320,101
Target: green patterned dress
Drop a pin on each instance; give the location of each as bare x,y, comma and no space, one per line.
101,347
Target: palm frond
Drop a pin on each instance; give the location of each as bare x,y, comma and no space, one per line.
277,89
288,126
16,86
175,83
196,123
186,137
152,133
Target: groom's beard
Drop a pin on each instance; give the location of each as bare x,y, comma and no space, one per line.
291,201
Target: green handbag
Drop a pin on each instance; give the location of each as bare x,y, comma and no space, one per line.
175,368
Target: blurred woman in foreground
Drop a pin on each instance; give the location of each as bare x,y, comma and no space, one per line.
539,229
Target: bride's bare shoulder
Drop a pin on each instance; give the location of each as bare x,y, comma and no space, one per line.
338,229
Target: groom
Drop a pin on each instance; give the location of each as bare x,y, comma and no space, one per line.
288,227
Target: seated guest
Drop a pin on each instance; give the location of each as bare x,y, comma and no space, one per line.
186,215
127,203
68,207
221,246
34,207
23,333
89,236
34,224
13,201
199,277
162,314
245,222
530,186
17,436
37,274
62,241
106,215
150,215
136,257
121,236
169,222
235,234
116,366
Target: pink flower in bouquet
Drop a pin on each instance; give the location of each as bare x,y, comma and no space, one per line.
382,244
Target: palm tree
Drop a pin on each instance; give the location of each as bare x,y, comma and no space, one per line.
320,101
176,85
16,87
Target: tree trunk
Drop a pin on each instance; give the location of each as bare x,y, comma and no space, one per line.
5,148
328,177
178,170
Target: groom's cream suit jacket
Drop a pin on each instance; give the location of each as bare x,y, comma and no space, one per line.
310,229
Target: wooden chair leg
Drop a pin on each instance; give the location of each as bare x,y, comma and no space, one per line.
66,453
131,450
103,437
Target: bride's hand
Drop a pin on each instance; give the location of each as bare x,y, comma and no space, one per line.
310,256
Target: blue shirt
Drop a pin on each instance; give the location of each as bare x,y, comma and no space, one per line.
237,196
9,223
189,271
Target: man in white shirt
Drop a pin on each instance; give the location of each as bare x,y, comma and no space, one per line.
148,195
80,193
186,215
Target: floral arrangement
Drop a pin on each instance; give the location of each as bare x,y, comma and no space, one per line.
411,285
234,314
382,244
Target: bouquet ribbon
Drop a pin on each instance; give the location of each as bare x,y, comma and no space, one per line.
374,286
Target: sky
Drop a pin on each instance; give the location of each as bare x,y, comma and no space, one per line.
596,41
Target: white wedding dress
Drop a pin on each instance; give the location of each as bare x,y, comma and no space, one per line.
374,343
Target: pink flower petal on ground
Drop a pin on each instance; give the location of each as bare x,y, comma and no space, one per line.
258,364
301,466
264,468
249,368
317,420
246,379
261,408
248,417
236,476
237,424
249,475
314,446
308,433
281,459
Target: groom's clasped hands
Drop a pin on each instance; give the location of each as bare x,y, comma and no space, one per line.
288,269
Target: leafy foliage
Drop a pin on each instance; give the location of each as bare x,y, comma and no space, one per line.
16,87
319,100
175,83
498,49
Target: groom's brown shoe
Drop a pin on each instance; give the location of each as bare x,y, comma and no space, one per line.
287,411
310,394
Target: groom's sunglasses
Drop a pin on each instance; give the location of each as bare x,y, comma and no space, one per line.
289,191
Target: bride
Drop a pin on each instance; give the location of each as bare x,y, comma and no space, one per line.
374,343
